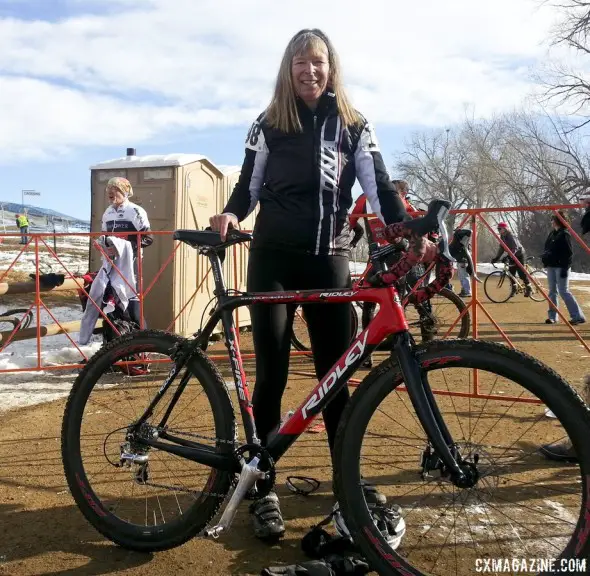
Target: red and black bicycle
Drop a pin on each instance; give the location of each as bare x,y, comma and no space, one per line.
449,430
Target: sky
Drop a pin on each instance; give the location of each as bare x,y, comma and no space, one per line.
82,80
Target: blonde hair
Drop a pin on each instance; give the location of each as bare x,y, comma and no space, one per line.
282,110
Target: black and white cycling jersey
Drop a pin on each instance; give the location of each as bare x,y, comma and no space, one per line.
128,217
303,181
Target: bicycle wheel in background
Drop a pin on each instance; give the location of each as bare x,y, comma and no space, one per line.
157,500
541,277
300,335
498,287
23,315
433,319
520,506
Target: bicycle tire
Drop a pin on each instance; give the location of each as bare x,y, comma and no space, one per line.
304,345
383,380
498,276
537,295
201,511
464,323
18,311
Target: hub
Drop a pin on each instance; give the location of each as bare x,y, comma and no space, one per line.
470,475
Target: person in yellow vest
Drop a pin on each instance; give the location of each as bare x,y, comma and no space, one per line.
22,223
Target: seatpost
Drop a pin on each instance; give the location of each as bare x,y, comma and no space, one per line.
213,256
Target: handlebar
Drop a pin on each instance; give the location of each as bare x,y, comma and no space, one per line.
420,250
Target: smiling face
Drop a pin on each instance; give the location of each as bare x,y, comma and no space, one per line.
310,71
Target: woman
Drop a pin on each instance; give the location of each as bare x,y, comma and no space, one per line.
123,216
585,223
303,154
557,257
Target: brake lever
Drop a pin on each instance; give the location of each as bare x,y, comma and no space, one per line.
442,228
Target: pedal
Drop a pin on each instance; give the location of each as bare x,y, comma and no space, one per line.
248,477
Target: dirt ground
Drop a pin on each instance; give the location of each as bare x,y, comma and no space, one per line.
43,532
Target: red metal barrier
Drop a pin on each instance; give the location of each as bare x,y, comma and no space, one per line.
475,217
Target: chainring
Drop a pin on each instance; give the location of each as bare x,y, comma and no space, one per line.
262,487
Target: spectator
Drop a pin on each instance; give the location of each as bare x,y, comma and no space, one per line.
557,257
585,225
516,248
123,216
464,277
22,223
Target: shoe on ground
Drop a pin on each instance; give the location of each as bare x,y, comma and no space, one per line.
388,520
267,519
559,452
549,321
368,363
331,565
578,321
372,495
465,294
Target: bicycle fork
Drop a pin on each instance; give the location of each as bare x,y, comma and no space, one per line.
463,474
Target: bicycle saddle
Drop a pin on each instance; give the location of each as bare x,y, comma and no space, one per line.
196,238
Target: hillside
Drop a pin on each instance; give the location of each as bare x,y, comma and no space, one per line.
15,208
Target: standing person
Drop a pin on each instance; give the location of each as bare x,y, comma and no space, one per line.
585,224
303,154
464,280
22,223
557,257
373,226
123,216
516,248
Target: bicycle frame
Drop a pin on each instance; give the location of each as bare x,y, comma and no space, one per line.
390,320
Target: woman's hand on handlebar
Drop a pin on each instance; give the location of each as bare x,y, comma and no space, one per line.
222,223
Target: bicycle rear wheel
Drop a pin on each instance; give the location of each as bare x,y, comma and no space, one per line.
541,277
439,317
522,506
165,500
300,335
498,287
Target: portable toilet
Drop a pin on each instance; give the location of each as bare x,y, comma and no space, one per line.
177,191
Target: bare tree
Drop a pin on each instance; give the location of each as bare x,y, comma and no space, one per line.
517,159
434,164
565,85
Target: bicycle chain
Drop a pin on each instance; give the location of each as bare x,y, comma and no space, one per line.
234,442
177,489
233,483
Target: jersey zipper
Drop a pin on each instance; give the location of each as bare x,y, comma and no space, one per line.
315,167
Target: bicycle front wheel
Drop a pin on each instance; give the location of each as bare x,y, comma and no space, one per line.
157,500
498,287
521,506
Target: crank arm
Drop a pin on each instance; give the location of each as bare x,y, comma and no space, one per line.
248,477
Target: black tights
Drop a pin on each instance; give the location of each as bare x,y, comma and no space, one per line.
328,324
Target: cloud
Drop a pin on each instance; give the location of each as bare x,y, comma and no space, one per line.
140,71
